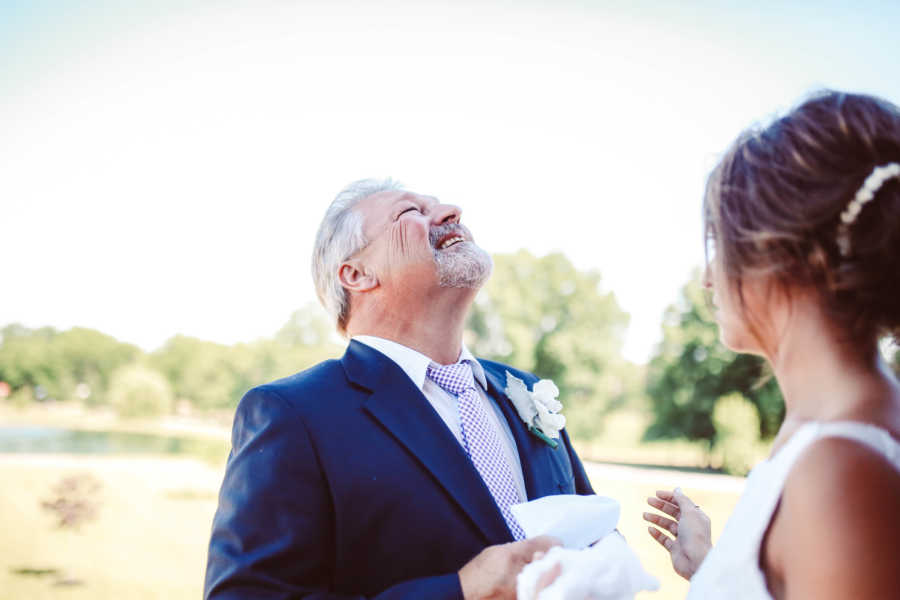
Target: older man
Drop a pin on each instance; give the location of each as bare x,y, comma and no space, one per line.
388,473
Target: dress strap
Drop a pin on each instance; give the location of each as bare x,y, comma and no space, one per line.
874,437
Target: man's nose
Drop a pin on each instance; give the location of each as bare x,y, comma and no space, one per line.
447,213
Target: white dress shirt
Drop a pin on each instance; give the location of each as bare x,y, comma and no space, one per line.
415,365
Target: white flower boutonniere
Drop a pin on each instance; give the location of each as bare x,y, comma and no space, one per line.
539,409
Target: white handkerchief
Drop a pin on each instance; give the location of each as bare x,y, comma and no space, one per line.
578,521
609,570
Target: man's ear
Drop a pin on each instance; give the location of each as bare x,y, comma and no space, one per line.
356,277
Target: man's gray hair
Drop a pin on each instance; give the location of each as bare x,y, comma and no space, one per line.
341,236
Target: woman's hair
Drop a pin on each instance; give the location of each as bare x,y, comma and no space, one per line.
773,207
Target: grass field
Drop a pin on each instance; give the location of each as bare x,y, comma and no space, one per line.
150,534
717,494
148,540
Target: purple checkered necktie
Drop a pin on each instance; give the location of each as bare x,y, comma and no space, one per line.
480,440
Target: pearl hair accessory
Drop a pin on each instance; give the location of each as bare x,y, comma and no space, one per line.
863,195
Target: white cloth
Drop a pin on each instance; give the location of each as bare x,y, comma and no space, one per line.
731,569
415,365
608,570
577,521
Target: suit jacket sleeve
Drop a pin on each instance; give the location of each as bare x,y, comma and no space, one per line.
273,532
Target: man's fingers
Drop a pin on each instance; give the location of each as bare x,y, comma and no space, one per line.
541,543
664,495
667,507
664,540
663,522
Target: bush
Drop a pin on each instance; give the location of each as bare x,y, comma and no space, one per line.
22,397
736,420
138,391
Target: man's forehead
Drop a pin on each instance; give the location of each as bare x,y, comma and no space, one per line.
390,197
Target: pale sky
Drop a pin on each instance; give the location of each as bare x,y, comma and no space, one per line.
163,168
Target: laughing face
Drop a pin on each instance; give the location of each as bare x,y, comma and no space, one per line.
415,239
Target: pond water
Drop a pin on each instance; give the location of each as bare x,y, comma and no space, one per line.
47,440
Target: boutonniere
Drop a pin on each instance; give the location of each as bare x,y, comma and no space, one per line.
539,409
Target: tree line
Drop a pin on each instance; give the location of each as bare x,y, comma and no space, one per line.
538,313
185,375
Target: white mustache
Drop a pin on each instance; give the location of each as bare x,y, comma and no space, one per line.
439,231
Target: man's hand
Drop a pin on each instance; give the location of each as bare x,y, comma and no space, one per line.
691,529
547,578
491,575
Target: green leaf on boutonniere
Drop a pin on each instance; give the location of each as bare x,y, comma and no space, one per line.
549,441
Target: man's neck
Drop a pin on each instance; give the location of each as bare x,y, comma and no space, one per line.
432,325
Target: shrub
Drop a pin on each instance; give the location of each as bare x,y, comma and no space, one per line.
22,397
736,420
138,391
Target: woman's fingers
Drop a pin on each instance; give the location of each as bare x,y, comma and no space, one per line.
665,495
667,507
663,522
664,540
681,500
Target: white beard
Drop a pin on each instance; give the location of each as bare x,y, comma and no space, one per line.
463,265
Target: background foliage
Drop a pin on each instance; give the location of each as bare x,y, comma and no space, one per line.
540,314
186,374
51,364
692,370
544,316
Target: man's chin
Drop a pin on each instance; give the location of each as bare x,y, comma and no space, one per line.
468,267
462,283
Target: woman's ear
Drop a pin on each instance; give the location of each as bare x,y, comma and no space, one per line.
356,277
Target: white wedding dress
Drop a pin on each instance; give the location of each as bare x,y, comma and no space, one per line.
731,569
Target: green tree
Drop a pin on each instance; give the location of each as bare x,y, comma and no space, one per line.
214,376
692,370
61,365
308,327
27,360
307,338
199,371
545,316
89,358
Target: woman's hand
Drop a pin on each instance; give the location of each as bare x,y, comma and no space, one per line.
690,527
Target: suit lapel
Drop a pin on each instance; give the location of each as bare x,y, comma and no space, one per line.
403,410
534,455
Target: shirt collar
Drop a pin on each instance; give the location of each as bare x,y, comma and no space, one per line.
414,363
477,369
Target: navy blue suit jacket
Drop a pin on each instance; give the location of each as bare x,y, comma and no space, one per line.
343,482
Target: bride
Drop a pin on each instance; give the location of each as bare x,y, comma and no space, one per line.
804,223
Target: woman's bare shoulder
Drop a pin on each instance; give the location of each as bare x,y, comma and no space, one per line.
837,523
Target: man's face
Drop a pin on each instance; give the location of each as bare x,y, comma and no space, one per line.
415,240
